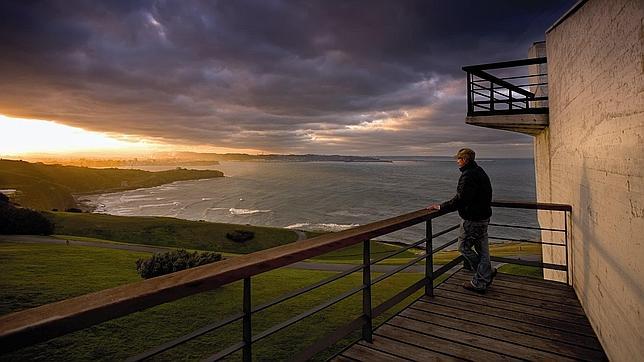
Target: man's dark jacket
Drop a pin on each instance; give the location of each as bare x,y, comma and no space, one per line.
473,194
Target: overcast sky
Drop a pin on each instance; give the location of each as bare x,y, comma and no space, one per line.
330,77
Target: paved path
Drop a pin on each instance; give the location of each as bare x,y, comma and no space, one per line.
38,239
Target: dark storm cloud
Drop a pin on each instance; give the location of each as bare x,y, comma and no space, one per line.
364,77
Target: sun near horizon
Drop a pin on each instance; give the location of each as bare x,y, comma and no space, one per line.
25,136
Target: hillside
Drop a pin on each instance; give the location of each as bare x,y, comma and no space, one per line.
47,187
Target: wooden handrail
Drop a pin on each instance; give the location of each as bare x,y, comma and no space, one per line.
38,324
531,205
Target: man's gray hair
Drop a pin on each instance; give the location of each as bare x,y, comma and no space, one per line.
466,154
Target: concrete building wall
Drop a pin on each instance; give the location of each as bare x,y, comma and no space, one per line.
592,157
539,74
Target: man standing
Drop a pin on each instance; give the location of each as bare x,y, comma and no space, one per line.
472,200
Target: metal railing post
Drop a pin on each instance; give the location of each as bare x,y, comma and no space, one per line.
429,260
367,327
510,99
470,106
491,96
247,325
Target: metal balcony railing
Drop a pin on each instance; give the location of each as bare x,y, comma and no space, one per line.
513,87
31,326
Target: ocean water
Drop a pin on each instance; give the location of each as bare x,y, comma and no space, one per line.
327,196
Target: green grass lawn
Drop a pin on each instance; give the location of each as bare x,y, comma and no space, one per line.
33,274
529,271
36,274
353,254
198,235
503,250
91,240
168,232
336,257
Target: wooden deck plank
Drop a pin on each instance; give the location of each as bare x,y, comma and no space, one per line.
432,344
532,281
564,293
468,296
513,325
360,352
555,348
342,358
491,343
406,350
513,291
516,316
519,318
509,283
492,293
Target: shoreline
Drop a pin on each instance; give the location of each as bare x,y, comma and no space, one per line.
86,205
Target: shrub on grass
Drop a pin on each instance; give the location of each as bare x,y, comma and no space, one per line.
240,236
172,261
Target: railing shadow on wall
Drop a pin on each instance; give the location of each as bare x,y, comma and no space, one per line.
522,89
28,327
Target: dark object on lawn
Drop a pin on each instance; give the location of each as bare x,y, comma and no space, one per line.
240,236
73,209
17,220
172,261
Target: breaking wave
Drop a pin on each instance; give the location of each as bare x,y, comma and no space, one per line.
246,211
175,203
347,213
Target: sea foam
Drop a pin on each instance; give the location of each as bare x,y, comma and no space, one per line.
246,211
322,226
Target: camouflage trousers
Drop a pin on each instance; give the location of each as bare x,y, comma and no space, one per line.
474,246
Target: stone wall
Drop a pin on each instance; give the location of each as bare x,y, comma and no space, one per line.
592,157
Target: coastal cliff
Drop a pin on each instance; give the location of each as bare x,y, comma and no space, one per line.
47,187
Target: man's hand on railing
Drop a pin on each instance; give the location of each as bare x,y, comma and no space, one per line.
433,207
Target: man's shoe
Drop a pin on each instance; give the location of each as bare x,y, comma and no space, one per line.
494,271
467,267
474,288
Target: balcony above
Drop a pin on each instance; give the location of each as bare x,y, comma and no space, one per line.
512,95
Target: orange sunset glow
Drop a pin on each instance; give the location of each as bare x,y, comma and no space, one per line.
22,136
